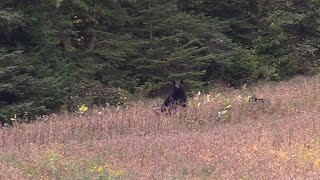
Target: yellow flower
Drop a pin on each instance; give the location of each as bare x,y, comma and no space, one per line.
83,109
14,118
100,170
119,172
227,104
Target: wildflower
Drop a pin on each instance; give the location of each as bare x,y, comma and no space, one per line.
227,104
222,113
197,96
82,109
100,169
14,118
119,173
208,98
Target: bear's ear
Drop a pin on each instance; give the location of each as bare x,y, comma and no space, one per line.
181,82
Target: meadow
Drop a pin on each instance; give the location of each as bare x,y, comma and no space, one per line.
220,136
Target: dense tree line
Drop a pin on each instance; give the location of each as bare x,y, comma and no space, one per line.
55,54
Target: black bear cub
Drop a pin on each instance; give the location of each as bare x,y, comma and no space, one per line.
177,98
256,100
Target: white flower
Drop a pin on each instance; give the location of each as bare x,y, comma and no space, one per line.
222,113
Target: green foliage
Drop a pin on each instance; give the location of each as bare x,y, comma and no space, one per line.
241,66
10,19
179,46
35,78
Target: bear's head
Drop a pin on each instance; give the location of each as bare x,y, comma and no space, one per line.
179,89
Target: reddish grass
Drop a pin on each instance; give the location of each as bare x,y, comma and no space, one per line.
275,140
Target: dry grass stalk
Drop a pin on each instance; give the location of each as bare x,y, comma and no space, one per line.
274,140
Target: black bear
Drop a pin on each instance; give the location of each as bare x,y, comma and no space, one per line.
177,98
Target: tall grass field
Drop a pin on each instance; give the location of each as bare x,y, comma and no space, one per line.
221,135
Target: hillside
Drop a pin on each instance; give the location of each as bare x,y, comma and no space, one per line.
278,139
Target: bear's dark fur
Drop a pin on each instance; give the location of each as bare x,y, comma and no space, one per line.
177,97
7,98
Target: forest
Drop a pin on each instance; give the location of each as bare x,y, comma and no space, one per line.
58,54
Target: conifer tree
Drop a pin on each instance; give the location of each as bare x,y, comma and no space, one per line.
180,47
